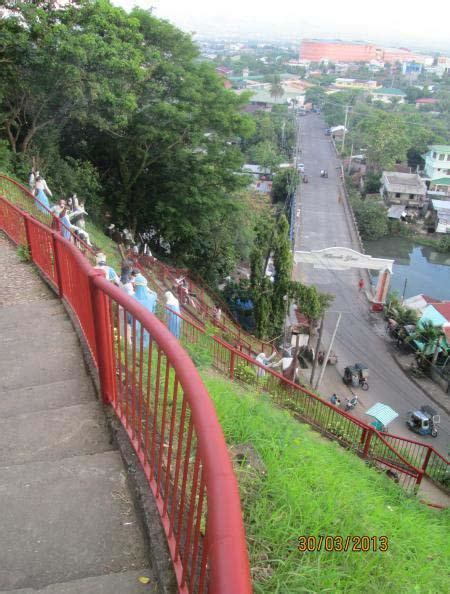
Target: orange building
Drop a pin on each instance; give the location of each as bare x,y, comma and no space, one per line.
334,51
316,51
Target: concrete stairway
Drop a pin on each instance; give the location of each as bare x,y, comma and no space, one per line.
68,523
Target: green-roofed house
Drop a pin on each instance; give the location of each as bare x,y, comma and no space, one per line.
437,167
388,95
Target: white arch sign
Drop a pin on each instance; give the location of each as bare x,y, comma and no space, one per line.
342,258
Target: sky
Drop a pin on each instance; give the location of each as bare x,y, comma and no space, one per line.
396,22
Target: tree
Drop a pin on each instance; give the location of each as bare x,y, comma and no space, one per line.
371,218
285,181
315,95
276,88
385,137
430,337
80,62
310,302
282,261
266,155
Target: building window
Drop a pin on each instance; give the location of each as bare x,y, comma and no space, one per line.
434,155
442,157
397,194
411,196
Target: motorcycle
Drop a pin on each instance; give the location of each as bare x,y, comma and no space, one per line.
350,403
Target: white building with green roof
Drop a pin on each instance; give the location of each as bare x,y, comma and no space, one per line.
387,95
437,167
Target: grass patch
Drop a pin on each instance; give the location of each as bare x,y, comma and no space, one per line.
314,487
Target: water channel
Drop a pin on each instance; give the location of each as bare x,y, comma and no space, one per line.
424,269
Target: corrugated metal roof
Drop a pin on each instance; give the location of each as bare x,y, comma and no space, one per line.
382,412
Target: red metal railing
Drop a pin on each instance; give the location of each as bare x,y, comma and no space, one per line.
157,394
408,460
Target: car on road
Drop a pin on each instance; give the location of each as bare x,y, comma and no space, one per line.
301,167
328,132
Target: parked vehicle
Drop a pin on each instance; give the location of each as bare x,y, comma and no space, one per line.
301,167
356,375
323,173
350,403
424,421
332,358
328,132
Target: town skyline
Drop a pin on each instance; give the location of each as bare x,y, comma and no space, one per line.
258,20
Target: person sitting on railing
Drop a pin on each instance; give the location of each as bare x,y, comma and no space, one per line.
109,272
173,320
147,298
40,191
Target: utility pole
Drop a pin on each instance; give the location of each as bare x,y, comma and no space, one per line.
325,361
316,354
350,160
347,108
404,289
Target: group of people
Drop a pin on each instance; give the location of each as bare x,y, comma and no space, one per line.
133,282
287,364
68,215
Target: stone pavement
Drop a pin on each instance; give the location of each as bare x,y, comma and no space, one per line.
68,522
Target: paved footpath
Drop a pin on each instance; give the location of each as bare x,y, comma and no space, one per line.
68,524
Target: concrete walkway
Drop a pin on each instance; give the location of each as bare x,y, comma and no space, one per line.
68,523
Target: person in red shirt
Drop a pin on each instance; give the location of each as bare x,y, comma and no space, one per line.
361,284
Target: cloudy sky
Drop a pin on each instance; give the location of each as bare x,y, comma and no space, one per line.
393,21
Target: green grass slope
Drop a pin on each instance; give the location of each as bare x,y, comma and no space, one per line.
314,487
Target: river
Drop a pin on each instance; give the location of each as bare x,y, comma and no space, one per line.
424,269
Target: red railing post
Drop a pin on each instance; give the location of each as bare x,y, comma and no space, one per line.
427,459
368,437
232,365
57,260
103,339
419,477
26,222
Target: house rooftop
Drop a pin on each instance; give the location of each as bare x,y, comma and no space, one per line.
441,148
441,181
441,205
443,309
427,100
404,183
388,91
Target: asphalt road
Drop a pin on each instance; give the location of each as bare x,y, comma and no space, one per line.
322,222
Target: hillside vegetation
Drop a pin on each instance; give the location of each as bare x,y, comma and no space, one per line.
305,485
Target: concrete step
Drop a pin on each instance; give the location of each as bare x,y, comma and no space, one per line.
66,348
53,434
46,396
34,368
114,583
66,520
31,310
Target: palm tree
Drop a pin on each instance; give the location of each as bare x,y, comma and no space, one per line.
276,88
431,337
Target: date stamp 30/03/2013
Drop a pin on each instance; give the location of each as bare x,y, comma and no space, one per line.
343,544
